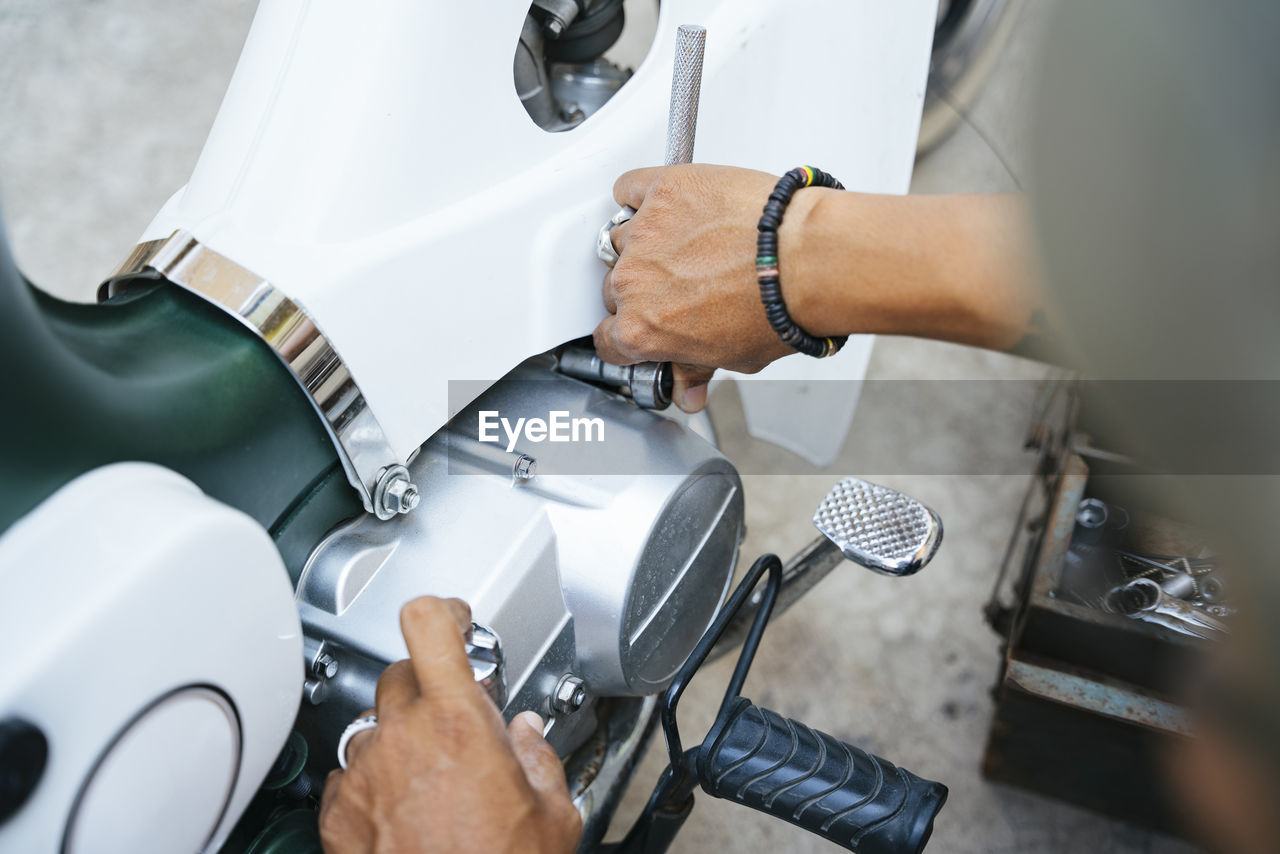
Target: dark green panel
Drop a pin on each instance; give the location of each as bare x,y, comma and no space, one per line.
160,376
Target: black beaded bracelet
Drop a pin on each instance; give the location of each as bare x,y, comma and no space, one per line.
767,263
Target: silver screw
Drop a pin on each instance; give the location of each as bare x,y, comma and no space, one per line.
525,468
401,496
571,693
555,27
572,114
325,666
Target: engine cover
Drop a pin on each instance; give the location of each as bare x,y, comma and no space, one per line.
607,563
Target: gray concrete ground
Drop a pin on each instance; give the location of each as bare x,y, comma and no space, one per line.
103,108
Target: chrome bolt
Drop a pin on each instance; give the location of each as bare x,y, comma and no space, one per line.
572,114
401,496
1212,589
555,27
571,693
525,468
325,666
1091,513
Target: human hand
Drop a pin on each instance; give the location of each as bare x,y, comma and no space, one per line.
440,771
684,288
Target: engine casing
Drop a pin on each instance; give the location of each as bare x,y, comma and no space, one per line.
607,564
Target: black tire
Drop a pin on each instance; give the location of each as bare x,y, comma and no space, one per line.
968,40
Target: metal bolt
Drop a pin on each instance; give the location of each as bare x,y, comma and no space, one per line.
571,693
525,468
325,666
555,27
401,496
1212,589
1091,513
572,114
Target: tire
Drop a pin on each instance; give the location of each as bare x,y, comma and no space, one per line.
967,41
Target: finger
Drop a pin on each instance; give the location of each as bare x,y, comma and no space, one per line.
357,744
434,630
397,688
331,784
689,390
610,295
538,758
606,341
632,187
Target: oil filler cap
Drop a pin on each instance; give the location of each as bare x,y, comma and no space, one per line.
23,754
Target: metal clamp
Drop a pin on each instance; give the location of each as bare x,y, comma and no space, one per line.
372,467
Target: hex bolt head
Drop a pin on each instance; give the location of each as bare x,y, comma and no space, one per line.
525,468
571,693
401,496
555,27
325,666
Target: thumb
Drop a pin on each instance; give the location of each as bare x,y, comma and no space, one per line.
690,386
538,758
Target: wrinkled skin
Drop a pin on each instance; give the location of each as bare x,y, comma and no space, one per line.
441,772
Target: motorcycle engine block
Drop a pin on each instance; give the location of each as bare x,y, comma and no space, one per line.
603,561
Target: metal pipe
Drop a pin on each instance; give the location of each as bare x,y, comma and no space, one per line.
799,575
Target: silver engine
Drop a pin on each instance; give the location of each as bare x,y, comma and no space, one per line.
598,563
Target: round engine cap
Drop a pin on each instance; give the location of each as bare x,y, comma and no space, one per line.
164,783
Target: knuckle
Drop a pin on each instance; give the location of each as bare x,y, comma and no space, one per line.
632,334
460,610
640,231
666,189
621,281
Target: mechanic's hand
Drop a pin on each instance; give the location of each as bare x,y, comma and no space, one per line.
440,772
684,288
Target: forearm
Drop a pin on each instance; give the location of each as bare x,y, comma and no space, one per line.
956,268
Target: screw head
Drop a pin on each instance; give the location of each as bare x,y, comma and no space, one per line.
555,27
571,693
325,666
525,468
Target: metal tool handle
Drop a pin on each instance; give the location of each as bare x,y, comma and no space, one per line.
682,118
686,87
682,127
781,767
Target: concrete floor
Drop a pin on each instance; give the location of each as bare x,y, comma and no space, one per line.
105,106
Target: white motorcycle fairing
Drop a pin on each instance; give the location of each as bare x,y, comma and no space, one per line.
373,162
155,646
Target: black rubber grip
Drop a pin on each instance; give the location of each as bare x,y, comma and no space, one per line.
793,772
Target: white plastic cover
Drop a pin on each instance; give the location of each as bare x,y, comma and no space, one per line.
374,162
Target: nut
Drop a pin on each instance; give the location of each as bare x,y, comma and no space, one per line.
525,468
571,693
401,496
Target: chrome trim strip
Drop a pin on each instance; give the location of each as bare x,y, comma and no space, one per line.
286,327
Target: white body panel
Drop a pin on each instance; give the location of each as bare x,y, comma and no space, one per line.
155,643
373,161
